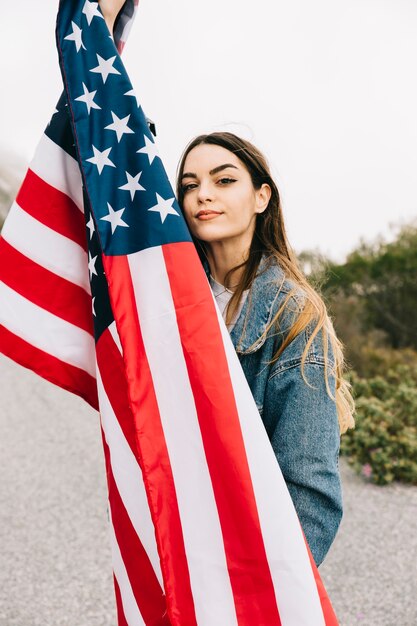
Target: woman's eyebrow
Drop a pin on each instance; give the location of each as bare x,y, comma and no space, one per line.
211,172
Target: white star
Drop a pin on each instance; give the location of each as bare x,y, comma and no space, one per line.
90,10
132,184
90,226
120,126
92,306
149,149
115,218
101,159
92,265
88,99
76,36
164,207
105,67
132,93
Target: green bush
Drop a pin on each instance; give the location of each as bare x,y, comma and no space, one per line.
383,445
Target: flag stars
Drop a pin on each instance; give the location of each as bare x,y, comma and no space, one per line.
132,93
149,149
76,37
105,67
93,306
132,184
88,99
120,126
90,10
101,159
90,226
92,265
164,207
115,218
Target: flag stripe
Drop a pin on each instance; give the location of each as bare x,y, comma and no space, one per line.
226,454
126,474
148,593
54,252
130,608
157,469
111,366
52,208
330,618
46,331
199,518
126,469
60,170
292,575
49,367
121,620
45,289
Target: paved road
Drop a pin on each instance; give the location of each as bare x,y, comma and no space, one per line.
54,545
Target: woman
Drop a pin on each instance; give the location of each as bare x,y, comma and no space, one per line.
279,325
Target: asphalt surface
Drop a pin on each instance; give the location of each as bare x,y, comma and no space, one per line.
55,567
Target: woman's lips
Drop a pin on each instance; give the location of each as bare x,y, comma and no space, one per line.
207,215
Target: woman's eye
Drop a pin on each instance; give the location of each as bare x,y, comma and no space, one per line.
186,188
226,181
222,181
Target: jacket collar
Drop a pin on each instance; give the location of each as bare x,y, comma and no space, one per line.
259,307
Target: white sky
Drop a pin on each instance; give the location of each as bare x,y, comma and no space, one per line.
327,89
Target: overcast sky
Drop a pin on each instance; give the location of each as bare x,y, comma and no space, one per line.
327,89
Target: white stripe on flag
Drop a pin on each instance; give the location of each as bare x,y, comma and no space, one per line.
57,168
130,607
115,336
46,247
128,477
46,331
292,575
212,593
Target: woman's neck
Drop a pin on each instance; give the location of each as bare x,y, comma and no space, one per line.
222,258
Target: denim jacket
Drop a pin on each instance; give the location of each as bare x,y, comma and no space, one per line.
301,422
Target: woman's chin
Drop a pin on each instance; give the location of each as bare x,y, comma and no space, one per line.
210,233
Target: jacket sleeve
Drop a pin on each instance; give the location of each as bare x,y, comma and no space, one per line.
304,432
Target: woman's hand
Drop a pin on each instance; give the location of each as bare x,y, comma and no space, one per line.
110,10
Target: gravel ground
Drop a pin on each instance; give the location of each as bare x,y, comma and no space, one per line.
54,544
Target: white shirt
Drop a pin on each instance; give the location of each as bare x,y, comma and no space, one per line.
222,296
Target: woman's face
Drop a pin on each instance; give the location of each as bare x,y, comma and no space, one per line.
220,202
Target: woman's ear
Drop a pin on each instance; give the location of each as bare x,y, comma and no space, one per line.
263,195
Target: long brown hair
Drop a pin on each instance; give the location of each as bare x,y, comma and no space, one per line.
270,239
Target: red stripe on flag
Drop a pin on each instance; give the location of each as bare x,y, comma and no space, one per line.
254,593
111,367
155,463
121,619
52,208
329,615
145,586
67,376
44,288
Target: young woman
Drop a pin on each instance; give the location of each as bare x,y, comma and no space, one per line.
285,340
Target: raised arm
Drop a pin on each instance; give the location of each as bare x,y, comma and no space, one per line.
110,10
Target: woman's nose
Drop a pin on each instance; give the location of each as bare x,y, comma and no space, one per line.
205,192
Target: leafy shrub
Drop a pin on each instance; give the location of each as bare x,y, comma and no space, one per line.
383,445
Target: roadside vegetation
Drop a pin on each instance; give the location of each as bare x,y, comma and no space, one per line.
372,298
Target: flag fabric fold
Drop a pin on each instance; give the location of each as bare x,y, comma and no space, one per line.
102,292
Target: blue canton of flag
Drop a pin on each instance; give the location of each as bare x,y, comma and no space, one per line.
134,204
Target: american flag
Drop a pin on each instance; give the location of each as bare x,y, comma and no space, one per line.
102,292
